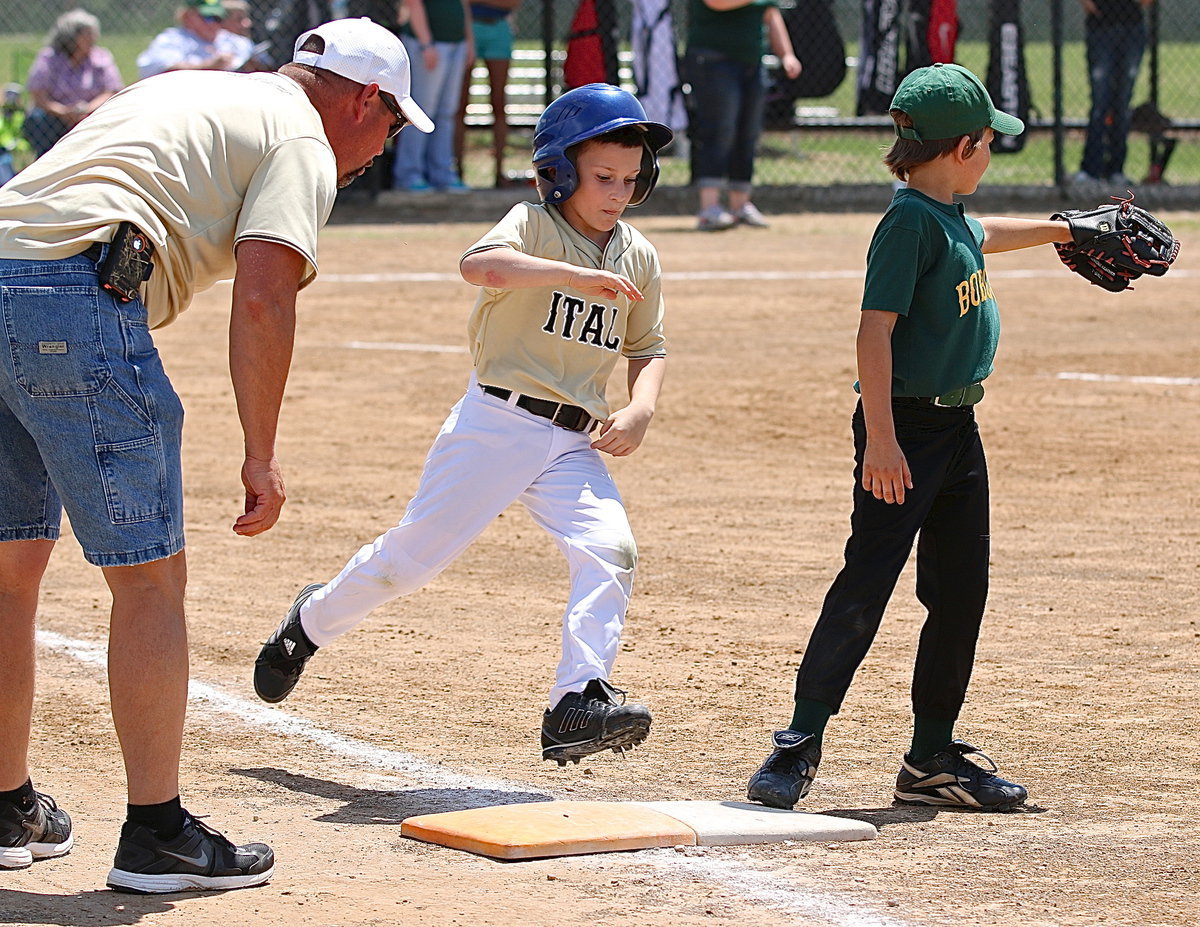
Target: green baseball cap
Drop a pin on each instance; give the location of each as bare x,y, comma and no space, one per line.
948,101
211,8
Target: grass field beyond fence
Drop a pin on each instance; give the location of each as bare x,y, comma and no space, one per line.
823,156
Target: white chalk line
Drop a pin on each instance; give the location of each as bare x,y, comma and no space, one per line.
1120,378
403,346
740,875
704,275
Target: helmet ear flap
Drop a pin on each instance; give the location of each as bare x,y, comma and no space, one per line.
560,178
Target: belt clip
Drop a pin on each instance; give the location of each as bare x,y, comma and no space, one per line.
964,396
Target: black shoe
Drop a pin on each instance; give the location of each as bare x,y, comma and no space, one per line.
282,658
948,778
787,774
198,858
26,834
586,722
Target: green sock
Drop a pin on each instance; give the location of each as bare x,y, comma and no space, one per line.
811,717
929,736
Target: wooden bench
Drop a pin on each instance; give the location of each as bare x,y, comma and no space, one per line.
527,87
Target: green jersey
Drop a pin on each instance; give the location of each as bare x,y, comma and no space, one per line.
925,264
737,33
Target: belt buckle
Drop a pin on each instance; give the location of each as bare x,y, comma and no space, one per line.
584,425
557,412
963,396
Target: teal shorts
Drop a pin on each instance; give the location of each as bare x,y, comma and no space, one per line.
494,41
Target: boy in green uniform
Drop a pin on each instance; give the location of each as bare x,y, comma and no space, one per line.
926,339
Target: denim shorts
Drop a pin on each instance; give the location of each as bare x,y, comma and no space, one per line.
89,421
494,40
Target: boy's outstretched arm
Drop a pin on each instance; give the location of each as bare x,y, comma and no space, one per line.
505,268
624,430
885,473
1003,233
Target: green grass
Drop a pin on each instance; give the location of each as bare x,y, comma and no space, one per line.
18,51
810,156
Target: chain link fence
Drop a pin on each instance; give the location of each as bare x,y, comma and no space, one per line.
826,127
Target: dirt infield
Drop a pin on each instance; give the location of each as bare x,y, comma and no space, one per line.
1086,686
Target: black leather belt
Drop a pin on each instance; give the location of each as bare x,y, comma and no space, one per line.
572,418
962,397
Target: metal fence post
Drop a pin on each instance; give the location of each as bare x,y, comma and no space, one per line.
1153,39
548,48
1056,44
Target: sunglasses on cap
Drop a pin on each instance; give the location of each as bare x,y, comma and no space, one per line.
401,119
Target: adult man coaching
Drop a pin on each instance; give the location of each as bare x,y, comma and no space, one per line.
177,182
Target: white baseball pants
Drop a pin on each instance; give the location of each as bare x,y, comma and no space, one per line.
488,454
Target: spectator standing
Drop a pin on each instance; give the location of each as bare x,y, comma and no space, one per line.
239,21
491,24
438,37
1115,32
723,64
198,43
70,77
172,185
237,18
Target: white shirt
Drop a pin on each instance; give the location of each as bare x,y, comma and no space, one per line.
176,46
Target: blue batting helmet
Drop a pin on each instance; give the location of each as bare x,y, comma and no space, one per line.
587,112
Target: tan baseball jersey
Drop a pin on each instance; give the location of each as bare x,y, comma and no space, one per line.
199,160
554,342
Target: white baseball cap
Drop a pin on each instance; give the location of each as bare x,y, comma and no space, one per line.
366,53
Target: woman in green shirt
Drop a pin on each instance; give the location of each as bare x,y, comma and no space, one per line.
723,64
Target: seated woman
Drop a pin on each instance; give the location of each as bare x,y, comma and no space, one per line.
70,77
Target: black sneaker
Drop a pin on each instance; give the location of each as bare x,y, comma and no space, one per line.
198,858
948,778
586,722
787,774
40,832
282,658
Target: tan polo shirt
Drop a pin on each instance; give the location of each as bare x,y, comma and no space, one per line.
555,342
199,160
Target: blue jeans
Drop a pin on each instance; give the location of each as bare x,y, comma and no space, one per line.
88,419
1114,54
430,158
726,113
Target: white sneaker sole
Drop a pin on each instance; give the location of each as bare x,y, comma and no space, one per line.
15,858
140,884
23,857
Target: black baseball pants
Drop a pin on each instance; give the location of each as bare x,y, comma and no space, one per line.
948,508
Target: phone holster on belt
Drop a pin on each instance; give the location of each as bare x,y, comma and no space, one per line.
128,264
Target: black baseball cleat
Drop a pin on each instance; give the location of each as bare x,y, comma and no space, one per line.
787,774
949,778
282,658
198,858
40,831
586,722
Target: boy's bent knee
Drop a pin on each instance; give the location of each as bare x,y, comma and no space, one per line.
614,547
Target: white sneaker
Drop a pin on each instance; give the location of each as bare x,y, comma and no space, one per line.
1084,179
749,215
1121,181
715,218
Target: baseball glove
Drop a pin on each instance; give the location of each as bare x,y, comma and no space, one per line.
1115,244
